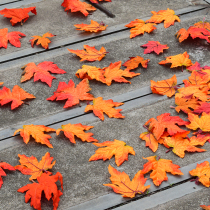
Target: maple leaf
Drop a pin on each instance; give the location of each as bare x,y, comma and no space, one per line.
150,139
196,122
199,139
202,171
197,78
134,62
16,96
110,148
139,27
96,2
194,67
93,27
122,184
205,207
43,40
91,54
204,107
77,6
113,72
18,15
72,94
202,24
159,169
1,83
168,16
4,165
12,37
99,106
31,166
41,72
165,122
181,144
193,91
71,130
186,105
91,72
47,184
154,46
177,60
194,32
165,87
37,132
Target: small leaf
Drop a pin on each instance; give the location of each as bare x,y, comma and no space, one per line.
121,183
139,27
42,40
37,132
159,169
154,46
168,16
4,165
71,130
90,53
110,148
93,27
77,6
99,106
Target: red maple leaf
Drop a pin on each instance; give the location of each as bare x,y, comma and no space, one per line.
154,46
41,72
47,184
74,95
12,37
6,166
16,96
18,15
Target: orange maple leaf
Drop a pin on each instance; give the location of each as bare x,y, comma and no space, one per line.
16,96
99,106
197,78
194,32
12,37
91,72
18,15
96,1
110,148
139,27
31,166
37,132
168,16
159,169
166,87
71,130
134,62
4,165
74,95
196,122
185,105
77,6
193,92
113,72
90,53
93,27
151,141
202,171
177,60
1,83
41,72
181,144
165,122
154,46
47,184
122,184
202,24
205,207
43,40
